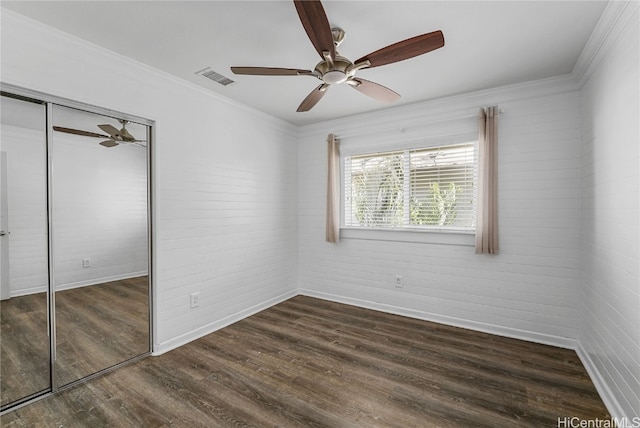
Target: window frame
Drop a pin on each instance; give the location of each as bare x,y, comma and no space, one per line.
420,234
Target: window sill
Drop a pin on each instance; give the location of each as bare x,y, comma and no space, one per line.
438,237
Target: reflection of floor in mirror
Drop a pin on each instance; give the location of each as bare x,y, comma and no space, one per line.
308,362
96,327
24,347
99,326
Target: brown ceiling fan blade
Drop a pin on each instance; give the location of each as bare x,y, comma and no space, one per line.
313,98
374,90
271,71
79,132
315,22
109,143
405,49
110,129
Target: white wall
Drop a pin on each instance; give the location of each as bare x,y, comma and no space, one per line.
99,211
568,271
225,214
27,208
99,205
529,289
609,331
234,219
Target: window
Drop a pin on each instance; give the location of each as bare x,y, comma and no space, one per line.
428,189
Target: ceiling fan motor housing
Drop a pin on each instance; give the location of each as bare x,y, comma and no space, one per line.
341,70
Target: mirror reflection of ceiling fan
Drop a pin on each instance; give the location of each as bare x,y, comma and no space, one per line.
115,136
334,68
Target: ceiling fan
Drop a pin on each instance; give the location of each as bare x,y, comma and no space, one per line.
116,136
334,68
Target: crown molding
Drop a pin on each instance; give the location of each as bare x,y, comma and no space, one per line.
51,38
615,18
442,109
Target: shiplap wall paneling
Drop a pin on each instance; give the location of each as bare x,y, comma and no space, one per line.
529,289
224,178
27,208
609,336
229,207
99,211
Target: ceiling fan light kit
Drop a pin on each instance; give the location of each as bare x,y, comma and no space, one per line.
334,69
333,77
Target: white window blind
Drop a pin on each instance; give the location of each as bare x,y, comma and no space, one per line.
429,188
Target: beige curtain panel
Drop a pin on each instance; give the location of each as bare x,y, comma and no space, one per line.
487,209
333,189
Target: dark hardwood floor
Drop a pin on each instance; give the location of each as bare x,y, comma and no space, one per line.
312,363
100,325
97,326
24,347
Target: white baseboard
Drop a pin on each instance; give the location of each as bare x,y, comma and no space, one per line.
43,288
530,336
183,339
27,291
103,280
561,342
607,396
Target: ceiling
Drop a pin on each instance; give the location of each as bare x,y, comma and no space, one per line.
487,44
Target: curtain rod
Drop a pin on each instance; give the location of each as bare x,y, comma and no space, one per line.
402,128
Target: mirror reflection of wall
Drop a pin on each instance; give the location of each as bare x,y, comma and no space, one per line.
74,246
100,243
24,338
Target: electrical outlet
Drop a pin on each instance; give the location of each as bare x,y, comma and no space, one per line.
195,300
399,281
86,263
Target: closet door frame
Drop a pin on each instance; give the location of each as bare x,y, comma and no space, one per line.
21,397
49,101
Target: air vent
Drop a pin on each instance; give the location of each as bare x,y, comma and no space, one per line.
216,77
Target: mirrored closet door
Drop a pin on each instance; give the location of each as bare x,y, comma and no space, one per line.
24,274
99,241
74,245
